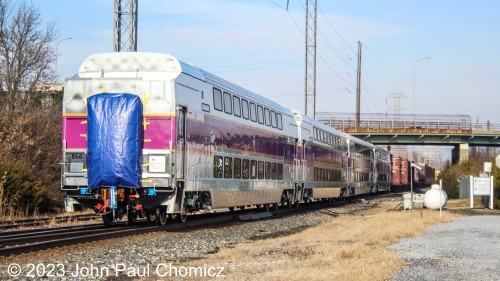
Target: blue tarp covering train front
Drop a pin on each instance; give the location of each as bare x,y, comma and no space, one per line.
114,140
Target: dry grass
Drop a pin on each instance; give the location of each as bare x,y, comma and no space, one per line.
348,248
464,203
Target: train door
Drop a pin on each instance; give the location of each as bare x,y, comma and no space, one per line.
181,143
180,158
298,171
297,161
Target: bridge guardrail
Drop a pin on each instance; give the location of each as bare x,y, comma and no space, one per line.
379,122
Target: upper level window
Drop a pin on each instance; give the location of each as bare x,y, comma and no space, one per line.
267,116
253,112
227,103
244,108
273,119
217,99
280,122
260,114
236,106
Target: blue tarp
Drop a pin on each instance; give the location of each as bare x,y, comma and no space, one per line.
114,140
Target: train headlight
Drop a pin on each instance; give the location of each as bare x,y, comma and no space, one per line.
157,163
76,162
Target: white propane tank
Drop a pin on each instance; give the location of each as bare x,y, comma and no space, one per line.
432,198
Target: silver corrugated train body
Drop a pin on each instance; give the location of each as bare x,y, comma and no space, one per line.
208,143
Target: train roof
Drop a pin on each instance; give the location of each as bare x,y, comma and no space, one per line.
322,125
359,141
135,64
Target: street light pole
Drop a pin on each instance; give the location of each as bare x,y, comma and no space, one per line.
414,110
57,54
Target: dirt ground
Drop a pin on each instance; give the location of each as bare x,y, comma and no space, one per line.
351,247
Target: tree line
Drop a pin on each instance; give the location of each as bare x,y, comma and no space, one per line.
30,119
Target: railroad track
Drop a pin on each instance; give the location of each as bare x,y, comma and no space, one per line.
25,241
45,221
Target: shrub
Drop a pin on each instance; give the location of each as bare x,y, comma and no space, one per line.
451,175
21,192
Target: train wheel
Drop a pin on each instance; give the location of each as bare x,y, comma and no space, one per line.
161,216
276,206
107,219
151,217
267,207
182,218
231,209
242,207
133,217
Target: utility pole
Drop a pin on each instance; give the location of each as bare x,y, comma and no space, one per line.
125,26
358,87
310,57
397,108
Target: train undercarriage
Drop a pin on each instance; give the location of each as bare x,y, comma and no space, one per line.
132,205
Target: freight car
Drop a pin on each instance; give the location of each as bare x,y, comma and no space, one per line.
146,136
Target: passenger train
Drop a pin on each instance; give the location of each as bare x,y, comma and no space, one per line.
195,142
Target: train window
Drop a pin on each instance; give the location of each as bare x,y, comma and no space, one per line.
253,112
236,106
246,168
280,122
217,99
268,171
260,169
244,108
217,166
315,133
205,107
280,171
273,119
267,116
274,171
237,168
253,169
260,114
228,167
227,103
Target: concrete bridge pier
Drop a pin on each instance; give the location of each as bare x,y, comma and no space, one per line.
460,153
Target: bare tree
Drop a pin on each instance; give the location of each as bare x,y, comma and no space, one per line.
27,54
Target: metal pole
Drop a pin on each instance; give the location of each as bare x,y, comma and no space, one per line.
491,192
471,191
411,186
358,87
414,64
440,202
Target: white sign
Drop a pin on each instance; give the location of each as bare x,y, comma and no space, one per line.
497,161
481,186
487,167
157,164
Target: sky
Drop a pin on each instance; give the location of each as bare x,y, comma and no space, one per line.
260,44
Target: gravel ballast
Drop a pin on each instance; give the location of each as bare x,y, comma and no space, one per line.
160,248
466,249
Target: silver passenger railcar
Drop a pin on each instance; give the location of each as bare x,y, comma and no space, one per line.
207,143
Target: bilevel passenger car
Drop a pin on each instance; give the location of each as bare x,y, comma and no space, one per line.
202,143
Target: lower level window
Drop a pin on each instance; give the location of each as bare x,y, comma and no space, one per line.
218,167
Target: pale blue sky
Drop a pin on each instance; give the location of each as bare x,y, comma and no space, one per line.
260,46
